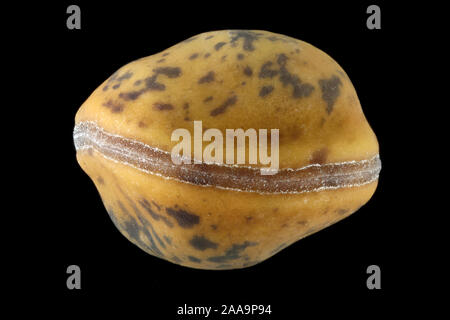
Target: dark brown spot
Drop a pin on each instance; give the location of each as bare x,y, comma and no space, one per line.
233,253
207,55
162,106
138,82
248,219
160,60
319,156
342,211
240,56
171,72
266,72
209,37
183,218
186,106
223,58
116,86
214,227
265,91
165,54
221,109
156,216
248,36
201,243
142,125
297,50
219,45
207,99
156,205
194,259
100,180
114,106
248,71
302,223
209,77
168,239
330,91
243,83
287,78
193,56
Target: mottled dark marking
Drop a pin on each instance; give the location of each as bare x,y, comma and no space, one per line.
223,58
165,54
100,180
194,259
161,60
150,84
207,55
243,83
266,72
162,106
209,37
147,228
214,227
126,75
233,253
168,240
319,156
183,218
342,211
137,82
142,125
201,243
115,107
156,216
302,223
248,36
153,248
207,99
265,91
240,56
193,56
297,50
219,45
115,78
330,91
221,109
132,95
156,205
248,71
248,219
113,217
171,72
176,259
223,266
300,89
209,77
284,225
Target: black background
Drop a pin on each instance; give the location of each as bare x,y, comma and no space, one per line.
324,273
